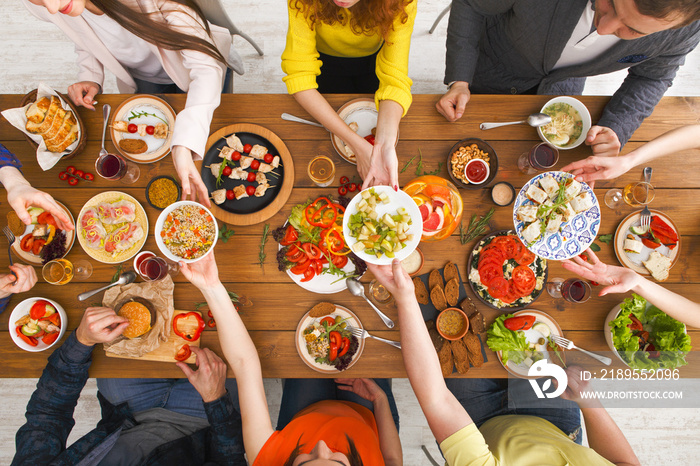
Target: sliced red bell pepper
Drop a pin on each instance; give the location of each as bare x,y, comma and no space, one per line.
197,332
664,228
50,338
31,341
55,319
649,243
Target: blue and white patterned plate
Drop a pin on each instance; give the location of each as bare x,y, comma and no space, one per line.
573,237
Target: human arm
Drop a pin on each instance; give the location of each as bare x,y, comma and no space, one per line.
384,164
605,168
21,195
50,409
621,280
389,440
240,353
604,436
443,411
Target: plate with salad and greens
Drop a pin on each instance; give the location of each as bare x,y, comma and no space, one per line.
523,338
324,340
312,248
644,337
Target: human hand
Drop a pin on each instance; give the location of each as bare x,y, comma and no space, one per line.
452,104
619,279
83,93
100,325
603,141
24,279
384,167
202,273
394,278
363,156
192,184
366,388
210,377
599,168
21,195
575,386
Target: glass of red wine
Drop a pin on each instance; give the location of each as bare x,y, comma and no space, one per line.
153,268
540,158
115,167
573,290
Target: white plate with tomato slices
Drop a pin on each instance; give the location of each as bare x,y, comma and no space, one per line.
21,242
35,305
534,336
504,274
633,260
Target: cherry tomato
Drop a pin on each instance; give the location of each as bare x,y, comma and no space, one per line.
344,180
227,171
183,353
255,164
330,321
247,148
250,190
211,323
63,176
210,314
89,176
268,158
370,138
342,190
236,156
352,187
150,129
583,257
79,173
132,128
73,181
251,177
229,194
70,169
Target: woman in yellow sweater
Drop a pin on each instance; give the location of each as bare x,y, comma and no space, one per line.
353,46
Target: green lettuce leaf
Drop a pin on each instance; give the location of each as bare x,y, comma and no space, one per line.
513,344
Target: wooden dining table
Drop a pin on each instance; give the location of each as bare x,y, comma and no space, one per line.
276,303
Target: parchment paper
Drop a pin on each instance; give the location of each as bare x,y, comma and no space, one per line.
160,295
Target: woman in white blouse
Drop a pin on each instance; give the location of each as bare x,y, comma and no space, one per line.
151,46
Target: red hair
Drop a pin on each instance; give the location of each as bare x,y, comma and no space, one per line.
368,16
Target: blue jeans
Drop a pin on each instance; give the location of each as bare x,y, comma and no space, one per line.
147,87
301,393
176,395
487,398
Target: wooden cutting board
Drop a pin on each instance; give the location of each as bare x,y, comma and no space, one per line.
167,350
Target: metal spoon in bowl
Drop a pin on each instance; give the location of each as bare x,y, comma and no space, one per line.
535,120
124,279
357,289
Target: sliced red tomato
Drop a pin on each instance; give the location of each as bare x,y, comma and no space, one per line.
45,218
339,261
55,319
309,273
183,353
489,273
290,236
527,257
38,244
312,250
330,321
301,267
511,294
344,347
318,266
50,338
524,279
295,253
498,287
489,260
335,342
27,243
636,324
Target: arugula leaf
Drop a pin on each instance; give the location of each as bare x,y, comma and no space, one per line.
135,114
594,247
419,166
605,238
408,163
225,233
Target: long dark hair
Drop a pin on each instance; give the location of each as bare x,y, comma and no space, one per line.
352,454
157,32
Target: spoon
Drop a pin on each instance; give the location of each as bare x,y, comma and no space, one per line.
106,108
357,289
125,278
536,119
289,117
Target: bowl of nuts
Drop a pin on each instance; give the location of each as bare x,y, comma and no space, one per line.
464,152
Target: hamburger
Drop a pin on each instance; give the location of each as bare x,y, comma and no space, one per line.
139,319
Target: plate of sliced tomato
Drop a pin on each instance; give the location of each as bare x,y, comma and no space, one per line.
312,249
504,274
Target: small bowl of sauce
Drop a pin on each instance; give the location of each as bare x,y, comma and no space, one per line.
413,263
503,194
452,323
476,171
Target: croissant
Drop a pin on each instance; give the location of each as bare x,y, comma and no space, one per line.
58,127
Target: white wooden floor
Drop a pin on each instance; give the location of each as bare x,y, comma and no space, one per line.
32,51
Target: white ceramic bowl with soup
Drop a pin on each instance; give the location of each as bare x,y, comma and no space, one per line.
570,123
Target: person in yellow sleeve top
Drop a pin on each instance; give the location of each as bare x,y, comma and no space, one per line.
353,46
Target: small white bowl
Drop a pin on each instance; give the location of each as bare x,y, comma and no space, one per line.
585,119
159,226
21,310
488,171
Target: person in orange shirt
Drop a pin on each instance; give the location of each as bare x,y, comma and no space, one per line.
313,429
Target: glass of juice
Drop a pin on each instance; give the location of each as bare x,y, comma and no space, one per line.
541,157
440,205
379,293
322,171
638,194
58,271
115,167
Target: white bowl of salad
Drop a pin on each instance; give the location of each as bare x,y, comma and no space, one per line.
644,337
37,324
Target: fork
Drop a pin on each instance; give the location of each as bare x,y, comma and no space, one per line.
362,333
11,239
645,217
568,344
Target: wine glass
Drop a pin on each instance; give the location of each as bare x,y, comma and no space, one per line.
554,287
82,270
613,198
